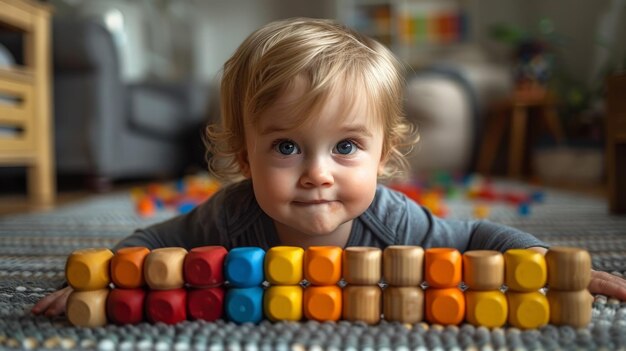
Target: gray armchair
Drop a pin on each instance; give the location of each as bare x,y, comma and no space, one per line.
109,130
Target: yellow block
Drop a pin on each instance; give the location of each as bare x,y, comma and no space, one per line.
486,308
283,265
525,270
88,269
283,303
528,310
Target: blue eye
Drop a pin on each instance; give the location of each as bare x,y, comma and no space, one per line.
287,147
345,147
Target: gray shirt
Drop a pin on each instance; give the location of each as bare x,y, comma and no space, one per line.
232,218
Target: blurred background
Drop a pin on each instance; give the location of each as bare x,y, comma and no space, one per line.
135,81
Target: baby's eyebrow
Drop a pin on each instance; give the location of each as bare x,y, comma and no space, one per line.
349,128
357,129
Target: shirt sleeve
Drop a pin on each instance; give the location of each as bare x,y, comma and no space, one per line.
418,226
204,225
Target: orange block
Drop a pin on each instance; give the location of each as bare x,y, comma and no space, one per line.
444,306
322,303
322,265
443,267
127,267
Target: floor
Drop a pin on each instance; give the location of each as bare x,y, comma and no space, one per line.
15,202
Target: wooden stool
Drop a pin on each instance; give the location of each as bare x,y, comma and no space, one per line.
516,109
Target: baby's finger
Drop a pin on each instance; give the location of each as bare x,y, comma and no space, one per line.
57,307
607,284
45,303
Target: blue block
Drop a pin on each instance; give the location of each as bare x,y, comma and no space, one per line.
523,209
186,207
244,305
243,267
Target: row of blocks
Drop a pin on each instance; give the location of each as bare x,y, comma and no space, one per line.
440,285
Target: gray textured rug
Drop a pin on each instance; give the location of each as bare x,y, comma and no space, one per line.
33,249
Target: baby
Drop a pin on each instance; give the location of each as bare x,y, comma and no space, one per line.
311,121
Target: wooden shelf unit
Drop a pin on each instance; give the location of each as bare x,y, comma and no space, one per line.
26,116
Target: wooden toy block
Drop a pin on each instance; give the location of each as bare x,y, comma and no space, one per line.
126,306
569,268
206,303
243,305
87,308
404,304
88,269
322,265
525,270
481,211
572,308
443,267
243,267
483,269
486,308
166,306
283,303
362,265
444,306
163,268
322,303
403,265
527,310
127,267
283,265
204,266
362,303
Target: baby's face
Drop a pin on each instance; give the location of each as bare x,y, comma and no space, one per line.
315,178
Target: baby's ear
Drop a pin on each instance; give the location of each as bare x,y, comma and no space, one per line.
382,164
244,164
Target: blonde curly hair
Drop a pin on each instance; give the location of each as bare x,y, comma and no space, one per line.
326,55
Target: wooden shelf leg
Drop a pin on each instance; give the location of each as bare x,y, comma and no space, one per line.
517,141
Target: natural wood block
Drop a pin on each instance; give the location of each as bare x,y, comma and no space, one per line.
443,267
570,307
527,310
486,308
403,304
525,270
163,268
322,265
323,303
127,267
362,265
569,268
88,269
204,266
444,306
283,303
283,265
483,269
403,265
87,308
362,303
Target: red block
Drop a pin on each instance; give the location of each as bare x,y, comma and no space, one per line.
125,306
206,304
166,306
203,266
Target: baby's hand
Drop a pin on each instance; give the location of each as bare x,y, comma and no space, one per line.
607,284
53,304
